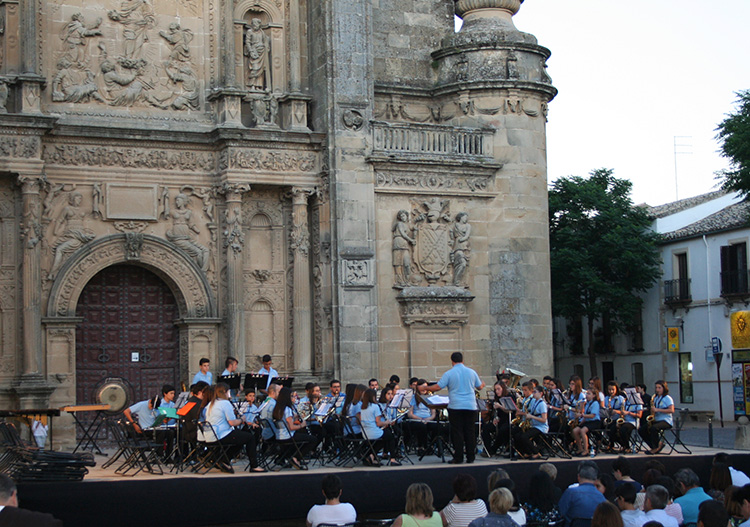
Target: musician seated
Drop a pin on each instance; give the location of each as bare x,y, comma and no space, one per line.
144,412
290,429
376,427
189,414
632,413
248,410
496,432
230,368
266,412
352,406
421,419
662,408
535,415
221,414
614,406
589,419
555,408
307,405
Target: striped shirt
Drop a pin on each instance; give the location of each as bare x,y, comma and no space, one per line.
462,514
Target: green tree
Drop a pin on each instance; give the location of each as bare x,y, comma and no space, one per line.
602,251
734,136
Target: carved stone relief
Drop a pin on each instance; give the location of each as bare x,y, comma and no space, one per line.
146,158
183,232
70,231
9,277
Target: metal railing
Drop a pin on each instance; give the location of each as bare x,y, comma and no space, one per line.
677,291
735,283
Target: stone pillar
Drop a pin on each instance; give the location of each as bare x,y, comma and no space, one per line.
234,242
295,57
302,300
230,79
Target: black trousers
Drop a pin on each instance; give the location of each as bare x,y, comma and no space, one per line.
236,439
496,435
653,432
387,442
524,440
626,429
463,433
421,431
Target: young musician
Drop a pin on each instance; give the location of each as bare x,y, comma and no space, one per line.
375,428
614,405
267,369
536,414
220,413
421,419
590,420
266,411
248,410
190,413
632,414
312,400
352,406
555,406
577,398
662,408
596,383
203,374
288,424
496,433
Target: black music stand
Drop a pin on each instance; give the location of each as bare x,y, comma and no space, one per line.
255,381
283,381
437,440
232,380
509,404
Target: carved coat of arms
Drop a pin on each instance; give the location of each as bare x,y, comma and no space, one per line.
432,235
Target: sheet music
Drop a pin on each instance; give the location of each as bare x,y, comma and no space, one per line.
437,399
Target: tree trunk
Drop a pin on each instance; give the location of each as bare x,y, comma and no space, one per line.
592,351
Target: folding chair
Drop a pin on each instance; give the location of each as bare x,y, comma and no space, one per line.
210,452
144,453
353,448
553,445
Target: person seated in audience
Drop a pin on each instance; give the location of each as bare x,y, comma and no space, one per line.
516,512
649,478
220,414
500,500
657,498
625,501
541,507
606,514
495,476
419,511
739,478
732,507
421,419
605,484
11,515
621,472
580,501
203,374
551,471
376,428
672,508
333,511
712,514
719,480
742,497
692,494
290,430
464,507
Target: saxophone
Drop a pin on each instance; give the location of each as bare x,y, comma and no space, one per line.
526,423
576,421
608,419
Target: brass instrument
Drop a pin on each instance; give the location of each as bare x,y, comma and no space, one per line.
521,420
608,412
650,419
576,421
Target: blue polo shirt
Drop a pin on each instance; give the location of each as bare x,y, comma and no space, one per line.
579,502
208,377
461,383
690,501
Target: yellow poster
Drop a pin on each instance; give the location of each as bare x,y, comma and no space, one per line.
673,339
740,329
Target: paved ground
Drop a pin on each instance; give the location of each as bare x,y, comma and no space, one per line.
698,434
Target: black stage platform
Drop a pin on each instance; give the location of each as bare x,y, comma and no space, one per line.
213,500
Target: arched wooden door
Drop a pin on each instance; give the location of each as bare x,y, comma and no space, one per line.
128,330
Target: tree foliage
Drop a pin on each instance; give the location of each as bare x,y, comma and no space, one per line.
603,253
734,136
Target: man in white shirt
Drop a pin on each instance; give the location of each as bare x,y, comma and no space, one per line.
625,501
739,478
333,512
657,498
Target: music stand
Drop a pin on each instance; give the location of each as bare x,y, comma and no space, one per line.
283,381
510,405
402,400
256,381
232,380
90,432
437,403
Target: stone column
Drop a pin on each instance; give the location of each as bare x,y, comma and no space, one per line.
302,300
295,66
234,242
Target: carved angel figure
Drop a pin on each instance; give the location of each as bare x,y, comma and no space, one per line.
183,232
401,251
70,230
257,47
180,40
461,232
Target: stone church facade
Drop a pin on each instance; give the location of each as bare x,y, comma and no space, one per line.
346,185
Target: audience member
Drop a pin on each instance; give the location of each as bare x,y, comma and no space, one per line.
333,511
672,508
692,494
551,471
606,515
742,497
11,515
500,500
621,472
712,514
465,506
739,478
719,480
541,506
625,501
732,507
419,511
516,512
581,501
649,478
495,476
605,484
656,499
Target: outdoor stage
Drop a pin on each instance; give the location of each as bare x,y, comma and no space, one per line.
189,500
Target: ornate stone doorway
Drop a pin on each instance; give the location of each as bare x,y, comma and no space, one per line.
127,330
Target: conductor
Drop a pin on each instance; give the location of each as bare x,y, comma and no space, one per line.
462,407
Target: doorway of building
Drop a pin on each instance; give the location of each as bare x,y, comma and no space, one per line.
128,331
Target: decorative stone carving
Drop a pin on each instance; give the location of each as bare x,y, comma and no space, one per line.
123,85
402,241
258,52
52,192
179,40
353,119
234,236
261,275
430,183
432,238
189,97
4,92
19,147
435,306
300,234
207,197
251,159
74,36
97,200
71,232
101,156
460,234
133,245
184,230
357,273
137,18
130,226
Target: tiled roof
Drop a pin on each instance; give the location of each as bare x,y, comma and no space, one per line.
732,217
660,211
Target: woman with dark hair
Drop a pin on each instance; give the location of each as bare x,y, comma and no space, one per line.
542,503
606,514
589,420
220,413
596,383
577,398
649,478
556,415
375,429
516,512
289,425
662,408
352,406
719,480
465,506
419,508
605,484
496,432
614,405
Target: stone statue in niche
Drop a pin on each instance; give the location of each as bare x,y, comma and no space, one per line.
74,35
3,95
137,18
97,199
71,232
460,233
184,230
257,51
402,242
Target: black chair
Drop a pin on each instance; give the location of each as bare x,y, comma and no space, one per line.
210,453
